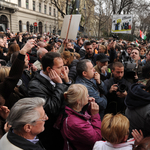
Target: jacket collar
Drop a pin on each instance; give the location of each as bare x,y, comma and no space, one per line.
22,142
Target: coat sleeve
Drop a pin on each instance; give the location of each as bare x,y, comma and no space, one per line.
101,101
15,73
84,132
53,100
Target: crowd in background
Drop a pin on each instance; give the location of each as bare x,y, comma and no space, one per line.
79,94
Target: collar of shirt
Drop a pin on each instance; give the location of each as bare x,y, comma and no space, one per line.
34,141
47,77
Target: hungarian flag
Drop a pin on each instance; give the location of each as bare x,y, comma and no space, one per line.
136,42
142,35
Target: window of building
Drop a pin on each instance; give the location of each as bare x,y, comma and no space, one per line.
39,7
20,26
54,13
19,3
27,26
34,5
45,9
27,4
50,11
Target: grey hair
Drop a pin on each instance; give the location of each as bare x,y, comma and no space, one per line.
23,112
81,66
40,52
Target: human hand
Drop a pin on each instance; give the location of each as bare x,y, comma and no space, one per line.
28,46
104,69
4,112
64,74
94,108
97,77
7,127
114,87
5,54
54,76
91,99
33,68
136,76
122,95
138,136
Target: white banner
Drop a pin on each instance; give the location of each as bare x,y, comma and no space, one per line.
122,24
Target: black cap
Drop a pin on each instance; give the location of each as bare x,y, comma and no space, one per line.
102,58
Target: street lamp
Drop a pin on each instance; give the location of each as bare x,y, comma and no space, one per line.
77,6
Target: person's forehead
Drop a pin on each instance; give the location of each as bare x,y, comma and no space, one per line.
135,51
89,64
58,61
119,68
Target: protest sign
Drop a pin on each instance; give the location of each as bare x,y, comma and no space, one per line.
122,24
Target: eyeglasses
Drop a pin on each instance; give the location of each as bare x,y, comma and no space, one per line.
43,119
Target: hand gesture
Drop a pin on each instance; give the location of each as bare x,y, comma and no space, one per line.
54,76
64,74
7,127
122,95
4,112
33,68
28,46
91,99
113,88
103,69
97,77
94,108
138,136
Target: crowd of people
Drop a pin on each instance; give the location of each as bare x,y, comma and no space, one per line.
79,94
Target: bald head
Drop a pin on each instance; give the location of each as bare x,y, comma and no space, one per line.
41,52
41,44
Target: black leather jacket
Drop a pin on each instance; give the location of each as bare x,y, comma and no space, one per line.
41,87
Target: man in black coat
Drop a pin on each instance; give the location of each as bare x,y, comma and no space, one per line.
117,88
48,84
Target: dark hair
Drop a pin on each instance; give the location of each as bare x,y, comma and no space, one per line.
117,64
81,66
38,38
14,56
118,47
87,44
93,41
144,144
48,59
50,47
12,40
146,71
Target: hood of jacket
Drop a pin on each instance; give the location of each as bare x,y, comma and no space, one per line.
137,96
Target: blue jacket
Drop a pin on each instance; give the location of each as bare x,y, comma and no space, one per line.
93,90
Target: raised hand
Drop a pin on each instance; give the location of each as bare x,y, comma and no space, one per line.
94,108
4,112
54,76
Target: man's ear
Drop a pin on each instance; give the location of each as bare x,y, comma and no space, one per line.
27,128
84,73
48,69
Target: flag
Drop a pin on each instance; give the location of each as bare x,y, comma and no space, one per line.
136,42
142,35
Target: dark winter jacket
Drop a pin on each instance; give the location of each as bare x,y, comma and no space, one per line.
115,104
138,108
41,87
72,70
93,58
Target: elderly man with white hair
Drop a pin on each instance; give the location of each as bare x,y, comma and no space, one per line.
27,118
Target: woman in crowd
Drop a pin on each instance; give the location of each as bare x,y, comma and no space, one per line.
103,49
13,48
68,59
115,130
80,128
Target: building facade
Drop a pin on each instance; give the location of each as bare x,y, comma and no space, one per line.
19,15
